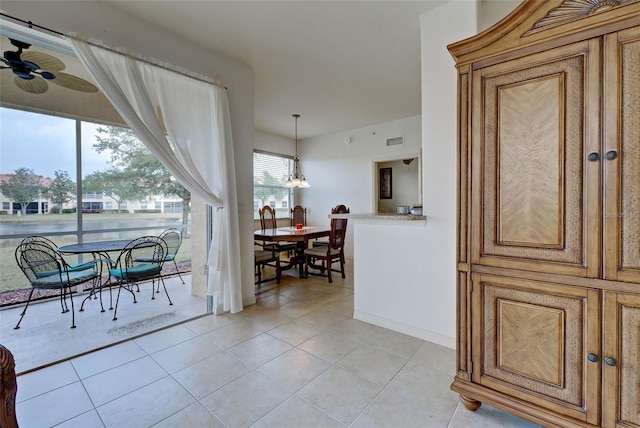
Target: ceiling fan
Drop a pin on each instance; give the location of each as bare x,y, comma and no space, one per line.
27,65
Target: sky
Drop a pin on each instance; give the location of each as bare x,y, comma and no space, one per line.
45,144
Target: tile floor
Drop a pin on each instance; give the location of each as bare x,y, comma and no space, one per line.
295,359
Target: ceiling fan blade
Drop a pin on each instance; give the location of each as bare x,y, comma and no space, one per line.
34,86
72,82
44,61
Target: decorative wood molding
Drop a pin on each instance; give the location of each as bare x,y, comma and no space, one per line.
572,10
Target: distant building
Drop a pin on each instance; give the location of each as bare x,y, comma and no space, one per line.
91,203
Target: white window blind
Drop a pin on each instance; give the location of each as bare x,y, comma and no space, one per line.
270,171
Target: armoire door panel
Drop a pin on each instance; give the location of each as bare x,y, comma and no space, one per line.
534,339
536,195
621,378
622,173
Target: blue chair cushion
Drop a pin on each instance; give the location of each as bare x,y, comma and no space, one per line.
74,268
146,270
75,278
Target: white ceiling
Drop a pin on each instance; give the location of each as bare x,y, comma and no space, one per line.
339,64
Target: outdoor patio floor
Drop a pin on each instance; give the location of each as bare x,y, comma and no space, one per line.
45,336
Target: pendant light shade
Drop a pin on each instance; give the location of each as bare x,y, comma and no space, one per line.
297,179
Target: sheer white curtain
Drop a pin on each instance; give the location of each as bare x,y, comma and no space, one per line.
197,147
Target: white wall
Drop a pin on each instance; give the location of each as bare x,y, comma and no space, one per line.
342,173
115,28
274,143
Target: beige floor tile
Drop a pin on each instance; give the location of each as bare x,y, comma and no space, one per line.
232,334
165,338
260,350
323,318
297,309
245,400
424,386
194,416
295,332
330,346
340,394
396,343
54,407
374,365
146,406
121,380
356,329
45,380
185,354
390,411
89,419
297,413
208,323
262,319
211,374
487,417
108,358
274,301
294,369
436,357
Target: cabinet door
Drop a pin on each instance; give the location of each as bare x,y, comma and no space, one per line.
621,377
622,140
531,341
535,197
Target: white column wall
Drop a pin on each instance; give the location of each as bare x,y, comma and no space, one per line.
116,28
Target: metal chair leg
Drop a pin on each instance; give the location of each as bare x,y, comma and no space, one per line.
24,311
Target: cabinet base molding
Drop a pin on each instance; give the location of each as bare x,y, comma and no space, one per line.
473,395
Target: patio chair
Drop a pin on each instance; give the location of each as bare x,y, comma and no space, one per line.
173,238
141,260
46,241
46,268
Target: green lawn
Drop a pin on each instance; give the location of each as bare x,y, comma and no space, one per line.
11,278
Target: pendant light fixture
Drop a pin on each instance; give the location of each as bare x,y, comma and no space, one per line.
297,179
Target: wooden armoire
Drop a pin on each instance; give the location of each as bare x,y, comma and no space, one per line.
548,298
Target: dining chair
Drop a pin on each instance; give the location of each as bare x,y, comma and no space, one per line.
338,209
46,269
265,258
173,238
268,221
140,260
329,254
298,215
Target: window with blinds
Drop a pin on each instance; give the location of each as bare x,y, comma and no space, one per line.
270,171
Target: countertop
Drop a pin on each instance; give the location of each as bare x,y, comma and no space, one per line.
380,216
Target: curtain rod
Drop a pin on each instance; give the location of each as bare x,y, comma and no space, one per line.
187,73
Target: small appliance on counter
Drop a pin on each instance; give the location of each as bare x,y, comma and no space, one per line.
402,209
416,209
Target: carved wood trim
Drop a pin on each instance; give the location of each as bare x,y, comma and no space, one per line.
572,10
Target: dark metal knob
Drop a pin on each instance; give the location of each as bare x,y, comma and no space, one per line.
610,361
594,156
592,357
611,155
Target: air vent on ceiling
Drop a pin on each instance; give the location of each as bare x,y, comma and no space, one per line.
395,141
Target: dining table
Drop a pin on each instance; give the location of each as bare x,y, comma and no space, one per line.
300,236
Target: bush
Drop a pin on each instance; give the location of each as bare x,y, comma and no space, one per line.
146,211
3,213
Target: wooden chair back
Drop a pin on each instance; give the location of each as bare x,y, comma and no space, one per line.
298,215
267,218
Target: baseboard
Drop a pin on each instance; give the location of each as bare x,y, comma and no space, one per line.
429,336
